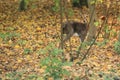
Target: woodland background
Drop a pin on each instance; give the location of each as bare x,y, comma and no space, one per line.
30,35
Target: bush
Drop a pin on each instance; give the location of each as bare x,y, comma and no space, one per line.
117,47
9,36
22,75
79,3
56,6
54,64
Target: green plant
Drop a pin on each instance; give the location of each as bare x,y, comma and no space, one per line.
27,51
14,75
75,3
117,47
70,12
23,5
107,32
22,42
9,36
56,6
108,76
113,33
10,28
32,77
118,17
21,75
54,64
118,65
79,3
103,43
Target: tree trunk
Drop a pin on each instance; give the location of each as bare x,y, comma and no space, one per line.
23,5
92,27
119,36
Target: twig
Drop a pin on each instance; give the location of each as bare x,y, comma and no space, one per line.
61,19
79,49
102,25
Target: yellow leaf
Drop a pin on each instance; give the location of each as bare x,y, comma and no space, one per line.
109,55
104,67
17,46
95,63
19,60
95,58
10,41
14,67
0,40
50,78
41,70
10,53
28,57
44,67
38,29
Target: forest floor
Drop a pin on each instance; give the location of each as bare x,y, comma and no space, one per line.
23,34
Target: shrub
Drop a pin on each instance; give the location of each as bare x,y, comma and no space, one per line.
56,6
54,64
117,47
9,36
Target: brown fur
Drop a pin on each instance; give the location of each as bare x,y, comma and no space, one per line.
69,28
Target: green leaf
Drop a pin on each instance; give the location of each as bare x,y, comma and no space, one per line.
70,12
41,51
22,42
45,61
56,61
117,47
27,51
96,23
55,52
67,64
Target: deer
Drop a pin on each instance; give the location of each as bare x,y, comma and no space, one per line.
72,27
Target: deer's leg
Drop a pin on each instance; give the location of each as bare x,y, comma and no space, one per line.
70,31
68,35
